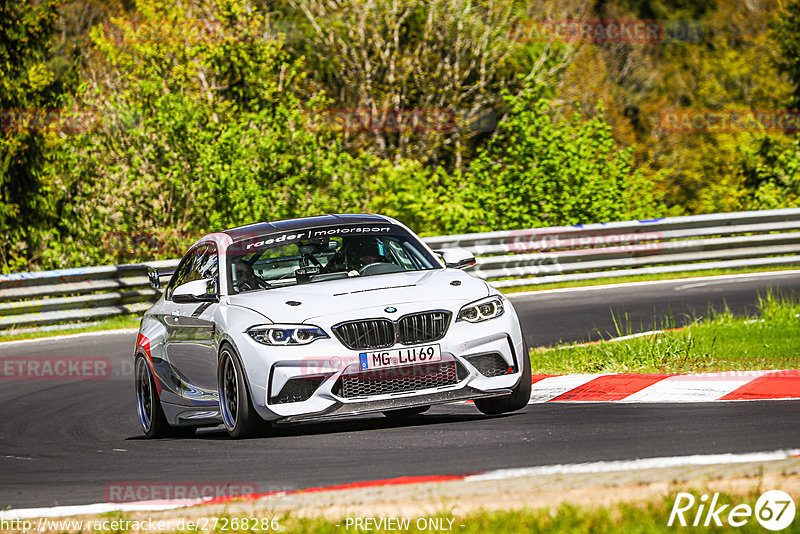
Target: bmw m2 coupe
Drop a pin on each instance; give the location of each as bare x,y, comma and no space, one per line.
320,318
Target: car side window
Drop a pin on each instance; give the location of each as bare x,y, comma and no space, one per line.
200,262
205,265
181,274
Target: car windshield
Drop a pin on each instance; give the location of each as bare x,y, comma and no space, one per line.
327,253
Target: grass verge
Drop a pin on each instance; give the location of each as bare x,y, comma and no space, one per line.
637,516
642,278
112,323
642,517
770,340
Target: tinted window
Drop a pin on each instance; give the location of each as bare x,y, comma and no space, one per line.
325,253
199,263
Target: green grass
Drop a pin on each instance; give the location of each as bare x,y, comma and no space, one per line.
112,323
722,343
629,518
644,517
640,278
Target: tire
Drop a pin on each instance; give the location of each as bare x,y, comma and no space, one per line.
236,406
406,412
148,406
519,397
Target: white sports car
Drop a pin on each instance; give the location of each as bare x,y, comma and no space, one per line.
320,318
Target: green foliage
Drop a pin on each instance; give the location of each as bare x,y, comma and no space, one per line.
786,33
450,58
213,113
202,129
771,170
721,342
30,93
546,171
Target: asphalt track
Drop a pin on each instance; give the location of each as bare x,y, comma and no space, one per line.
63,442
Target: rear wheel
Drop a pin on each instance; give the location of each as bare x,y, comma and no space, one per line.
148,406
405,412
519,397
236,406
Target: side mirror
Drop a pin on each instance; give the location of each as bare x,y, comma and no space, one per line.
204,290
152,276
456,258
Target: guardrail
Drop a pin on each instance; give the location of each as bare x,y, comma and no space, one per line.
506,259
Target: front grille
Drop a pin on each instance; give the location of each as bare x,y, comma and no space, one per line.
491,364
382,333
397,380
422,327
370,334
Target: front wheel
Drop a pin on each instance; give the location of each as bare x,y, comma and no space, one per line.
236,407
520,395
148,406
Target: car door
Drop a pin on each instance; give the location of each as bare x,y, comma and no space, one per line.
191,344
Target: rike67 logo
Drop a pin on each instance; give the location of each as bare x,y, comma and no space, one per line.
774,510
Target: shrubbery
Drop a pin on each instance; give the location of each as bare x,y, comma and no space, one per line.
212,114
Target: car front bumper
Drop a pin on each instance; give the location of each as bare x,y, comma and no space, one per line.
268,369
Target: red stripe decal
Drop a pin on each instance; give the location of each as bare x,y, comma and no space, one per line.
353,485
611,387
775,385
144,343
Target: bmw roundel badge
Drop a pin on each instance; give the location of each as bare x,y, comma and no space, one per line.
390,309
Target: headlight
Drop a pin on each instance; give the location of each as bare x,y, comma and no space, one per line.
482,310
286,334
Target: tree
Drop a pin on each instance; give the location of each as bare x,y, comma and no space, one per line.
541,170
786,33
419,79
31,95
203,128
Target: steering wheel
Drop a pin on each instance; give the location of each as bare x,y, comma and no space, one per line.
245,286
368,266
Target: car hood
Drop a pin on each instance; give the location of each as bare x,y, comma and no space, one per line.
349,296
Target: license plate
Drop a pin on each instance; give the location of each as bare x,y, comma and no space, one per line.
381,359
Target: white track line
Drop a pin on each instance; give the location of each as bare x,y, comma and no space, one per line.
517,294
72,336
634,465
99,508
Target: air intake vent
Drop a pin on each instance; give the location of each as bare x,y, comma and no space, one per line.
298,389
397,380
491,364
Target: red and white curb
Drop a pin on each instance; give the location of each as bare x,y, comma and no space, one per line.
499,474
669,388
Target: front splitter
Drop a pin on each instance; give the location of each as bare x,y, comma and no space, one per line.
350,409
